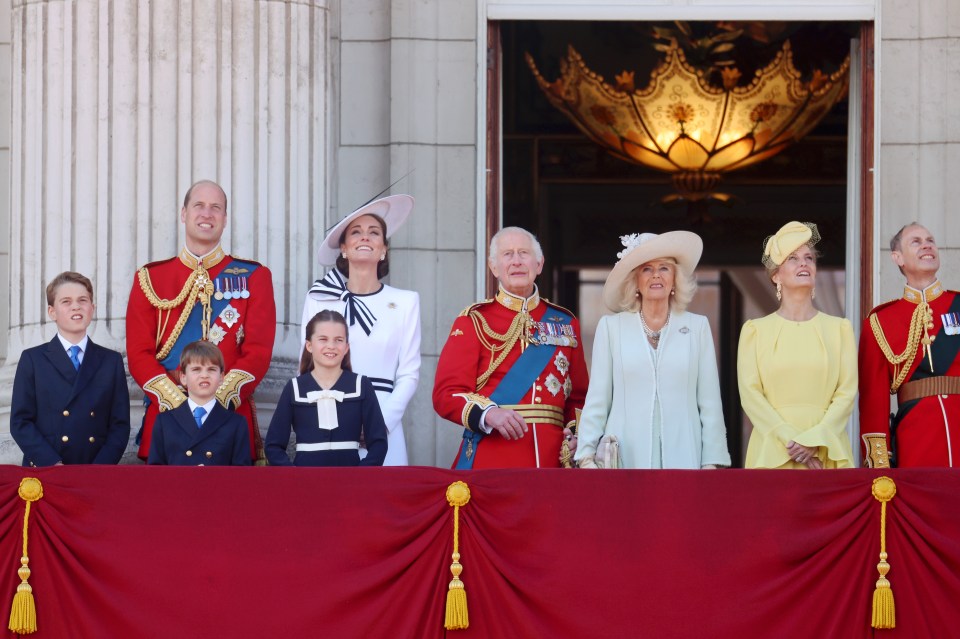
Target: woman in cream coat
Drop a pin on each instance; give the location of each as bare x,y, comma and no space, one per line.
654,382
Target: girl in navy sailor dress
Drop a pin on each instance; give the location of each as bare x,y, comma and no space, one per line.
329,408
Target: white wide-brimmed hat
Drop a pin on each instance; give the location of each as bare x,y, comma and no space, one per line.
394,210
639,248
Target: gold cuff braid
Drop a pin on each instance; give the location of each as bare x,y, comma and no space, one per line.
472,399
229,391
168,394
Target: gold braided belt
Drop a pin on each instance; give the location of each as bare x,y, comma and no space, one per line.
928,387
538,413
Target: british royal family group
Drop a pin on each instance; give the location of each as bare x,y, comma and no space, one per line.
201,327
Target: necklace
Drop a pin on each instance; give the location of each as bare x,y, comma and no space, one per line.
652,335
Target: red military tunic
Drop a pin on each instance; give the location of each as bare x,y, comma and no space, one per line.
927,427
462,388
241,321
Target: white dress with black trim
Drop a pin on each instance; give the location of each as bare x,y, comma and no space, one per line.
327,423
384,345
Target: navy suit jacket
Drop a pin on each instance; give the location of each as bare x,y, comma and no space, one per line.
60,414
223,440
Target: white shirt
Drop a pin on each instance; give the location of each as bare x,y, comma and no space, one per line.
207,407
67,345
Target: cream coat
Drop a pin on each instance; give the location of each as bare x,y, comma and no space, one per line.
623,383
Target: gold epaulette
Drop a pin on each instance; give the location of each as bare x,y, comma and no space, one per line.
474,306
229,391
555,305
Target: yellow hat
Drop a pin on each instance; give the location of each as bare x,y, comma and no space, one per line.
790,237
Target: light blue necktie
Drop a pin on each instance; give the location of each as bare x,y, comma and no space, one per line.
198,414
74,356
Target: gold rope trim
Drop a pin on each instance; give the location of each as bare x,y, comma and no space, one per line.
498,353
198,285
884,613
921,320
457,618
23,613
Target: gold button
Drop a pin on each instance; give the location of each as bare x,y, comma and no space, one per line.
538,400
91,414
189,453
64,439
209,454
66,413
93,439
539,387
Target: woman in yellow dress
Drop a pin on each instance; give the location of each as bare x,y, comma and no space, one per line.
797,367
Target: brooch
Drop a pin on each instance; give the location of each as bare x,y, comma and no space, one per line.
684,330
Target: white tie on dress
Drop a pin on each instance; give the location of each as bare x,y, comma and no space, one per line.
326,401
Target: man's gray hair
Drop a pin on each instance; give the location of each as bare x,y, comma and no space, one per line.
494,242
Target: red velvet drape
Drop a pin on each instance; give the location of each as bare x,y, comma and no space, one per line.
290,552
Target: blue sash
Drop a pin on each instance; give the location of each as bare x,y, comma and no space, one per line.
514,386
193,329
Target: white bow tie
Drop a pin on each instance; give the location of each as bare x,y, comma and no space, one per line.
326,401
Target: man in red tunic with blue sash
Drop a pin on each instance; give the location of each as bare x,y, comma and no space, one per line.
201,294
911,347
512,371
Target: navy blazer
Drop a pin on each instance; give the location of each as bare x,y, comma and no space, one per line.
60,414
223,440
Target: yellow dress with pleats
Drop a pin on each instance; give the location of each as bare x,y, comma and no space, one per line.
798,382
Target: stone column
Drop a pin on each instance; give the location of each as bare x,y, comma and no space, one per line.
118,107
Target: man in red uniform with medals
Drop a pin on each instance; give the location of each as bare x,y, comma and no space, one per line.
201,294
512,371
909,347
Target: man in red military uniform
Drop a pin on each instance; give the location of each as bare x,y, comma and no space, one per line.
909,347
201,294
512,371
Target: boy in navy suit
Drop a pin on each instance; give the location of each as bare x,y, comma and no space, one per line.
200,431
70,402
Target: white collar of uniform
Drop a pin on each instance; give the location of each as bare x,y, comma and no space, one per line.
67,344
207,407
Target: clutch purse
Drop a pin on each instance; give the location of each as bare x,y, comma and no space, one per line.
608,452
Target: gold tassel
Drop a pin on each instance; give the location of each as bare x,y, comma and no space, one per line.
23,613
456,618
884,613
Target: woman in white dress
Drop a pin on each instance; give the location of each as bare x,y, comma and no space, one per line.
654,384
384,322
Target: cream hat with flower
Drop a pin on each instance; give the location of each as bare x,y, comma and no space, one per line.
639,248
790,237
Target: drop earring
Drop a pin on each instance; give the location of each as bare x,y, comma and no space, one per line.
383,257
673,291
779,294
343,255
813,293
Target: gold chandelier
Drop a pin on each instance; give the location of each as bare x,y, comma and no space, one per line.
683,125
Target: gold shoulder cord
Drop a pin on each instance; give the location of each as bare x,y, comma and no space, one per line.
904,361
197,285
508,340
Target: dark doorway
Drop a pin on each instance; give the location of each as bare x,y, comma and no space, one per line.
579,199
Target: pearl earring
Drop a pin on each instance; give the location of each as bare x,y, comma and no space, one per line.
383,257
673,291
779,294
813,293
343,255
636,293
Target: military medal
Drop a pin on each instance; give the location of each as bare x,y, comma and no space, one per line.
227,289
244,293
951,323
219,294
